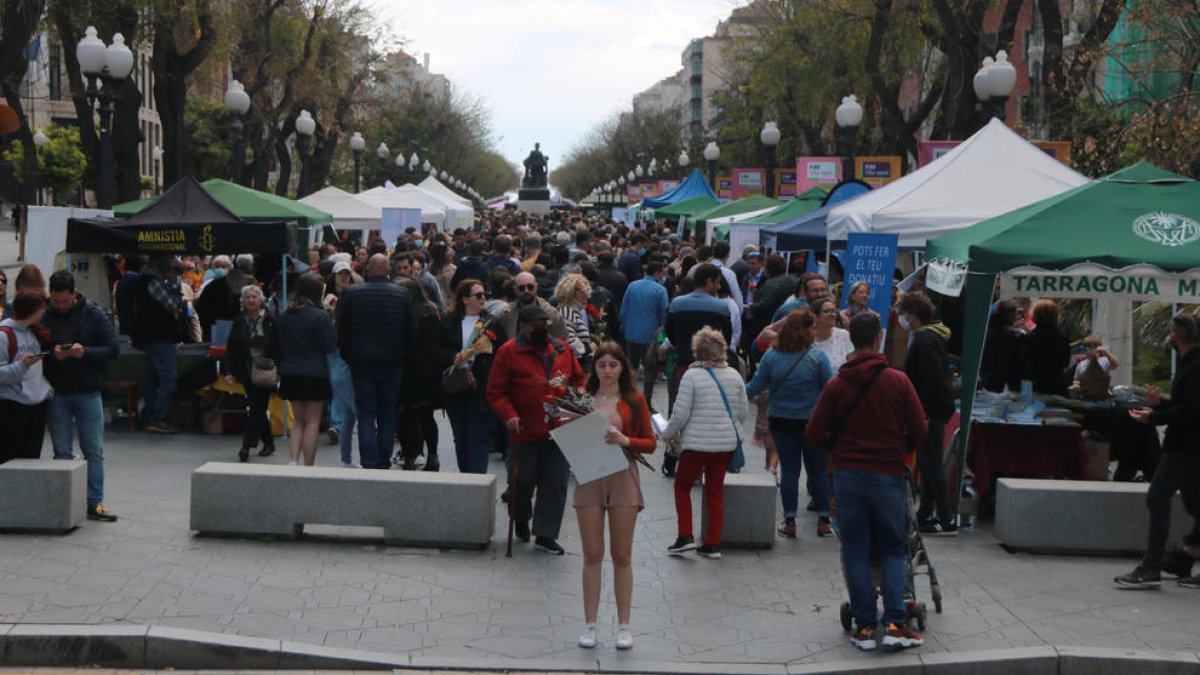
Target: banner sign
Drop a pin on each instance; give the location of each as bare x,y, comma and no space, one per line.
927,151
871,257
724,188
748,182
648,189
394,222
1060,150
1088,280
785,184
877,171
633,194
665,186
946,277
814,171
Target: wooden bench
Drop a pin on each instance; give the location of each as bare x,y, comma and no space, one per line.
43,494
749,500
1076,516
437,510
129,388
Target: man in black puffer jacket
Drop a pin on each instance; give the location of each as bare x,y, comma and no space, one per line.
83,341
928,367
375,328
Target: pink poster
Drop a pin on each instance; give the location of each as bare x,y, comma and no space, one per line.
633,194
815,171
927,151
748,182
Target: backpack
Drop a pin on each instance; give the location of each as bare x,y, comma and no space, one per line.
12,341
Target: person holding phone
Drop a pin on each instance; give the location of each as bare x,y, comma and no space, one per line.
24,392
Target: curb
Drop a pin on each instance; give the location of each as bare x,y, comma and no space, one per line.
163,648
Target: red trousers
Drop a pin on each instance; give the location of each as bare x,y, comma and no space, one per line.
713,465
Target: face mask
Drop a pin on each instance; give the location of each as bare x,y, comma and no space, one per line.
540,337
903,321
219,272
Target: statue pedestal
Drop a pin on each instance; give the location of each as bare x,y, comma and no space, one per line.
534,201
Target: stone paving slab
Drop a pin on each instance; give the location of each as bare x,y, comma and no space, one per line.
753,610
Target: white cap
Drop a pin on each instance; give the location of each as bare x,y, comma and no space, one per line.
341,266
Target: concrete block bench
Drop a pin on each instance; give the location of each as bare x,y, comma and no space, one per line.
442,510
1073,516
750,500
43,494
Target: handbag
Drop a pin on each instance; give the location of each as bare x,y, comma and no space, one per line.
457,380
739,457
263,373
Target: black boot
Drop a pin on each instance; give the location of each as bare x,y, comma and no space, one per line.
432,463
267,451
243,454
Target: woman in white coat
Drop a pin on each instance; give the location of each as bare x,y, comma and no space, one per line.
708,415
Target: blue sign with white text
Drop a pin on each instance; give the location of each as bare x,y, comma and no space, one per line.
870,257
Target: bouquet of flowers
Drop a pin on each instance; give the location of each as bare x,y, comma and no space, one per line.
597,322
566,402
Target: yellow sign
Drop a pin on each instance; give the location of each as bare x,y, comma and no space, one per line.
877,171
207,240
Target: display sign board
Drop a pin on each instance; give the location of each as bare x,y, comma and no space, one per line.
724,188
814,171
785,184
1060,150
633,194
665,186
871,257
927,151
748,182
394,222
1088,280
877,171
648,189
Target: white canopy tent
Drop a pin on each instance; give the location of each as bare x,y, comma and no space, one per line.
435,186
992,172
457,213
349,212
432,209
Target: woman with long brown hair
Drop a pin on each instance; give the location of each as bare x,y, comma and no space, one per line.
620,495
794,372
306,339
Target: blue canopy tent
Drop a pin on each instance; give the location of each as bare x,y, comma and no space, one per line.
694,185
808,231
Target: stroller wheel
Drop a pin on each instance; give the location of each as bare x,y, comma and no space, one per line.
921,616
847,617
937,603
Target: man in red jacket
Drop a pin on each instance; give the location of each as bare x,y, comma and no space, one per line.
517,387
869,418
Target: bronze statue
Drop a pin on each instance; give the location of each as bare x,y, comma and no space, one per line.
535,168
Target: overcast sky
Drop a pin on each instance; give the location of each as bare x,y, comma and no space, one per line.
550,70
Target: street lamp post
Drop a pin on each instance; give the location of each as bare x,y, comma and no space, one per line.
848,116
770,139
683,162
711,154
357,144
157,166
401,165
412,165
107,66
993,83
238,102
305,126
425,166
41,140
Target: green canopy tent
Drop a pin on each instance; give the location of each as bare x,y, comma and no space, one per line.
746,205
1133,235
252,206
805,203
687,207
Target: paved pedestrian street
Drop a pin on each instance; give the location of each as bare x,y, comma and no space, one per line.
342,588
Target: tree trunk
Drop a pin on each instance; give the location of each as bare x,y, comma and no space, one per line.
20,23
171,68
126,128
1052,66
1008,24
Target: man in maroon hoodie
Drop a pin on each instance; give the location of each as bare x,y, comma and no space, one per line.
516,390
869,418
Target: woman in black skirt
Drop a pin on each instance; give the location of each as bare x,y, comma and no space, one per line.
306,339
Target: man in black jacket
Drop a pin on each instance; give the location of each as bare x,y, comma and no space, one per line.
159,318
83,340
928,367
375,327
472,266
1179,469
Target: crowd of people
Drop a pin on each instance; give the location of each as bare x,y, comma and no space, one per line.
484,324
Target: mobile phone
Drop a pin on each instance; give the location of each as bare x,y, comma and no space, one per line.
63,345
45,353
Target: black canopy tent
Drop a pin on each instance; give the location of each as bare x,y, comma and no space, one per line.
184,220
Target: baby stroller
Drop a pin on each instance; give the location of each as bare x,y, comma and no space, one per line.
917,563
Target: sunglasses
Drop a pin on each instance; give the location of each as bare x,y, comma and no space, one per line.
481,296
527,287
829,311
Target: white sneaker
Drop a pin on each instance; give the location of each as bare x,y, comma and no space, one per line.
351,465
292,462
588,639
624,639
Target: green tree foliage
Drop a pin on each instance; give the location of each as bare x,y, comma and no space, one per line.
206,128
616,146
61,161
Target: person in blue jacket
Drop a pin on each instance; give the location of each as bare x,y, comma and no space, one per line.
794,373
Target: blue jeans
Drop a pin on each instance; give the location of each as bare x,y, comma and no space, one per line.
793,450
376,395
342,413
871,512
472,426
85,413
161,373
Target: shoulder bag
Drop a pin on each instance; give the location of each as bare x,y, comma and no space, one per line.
837,429
739,457
264,373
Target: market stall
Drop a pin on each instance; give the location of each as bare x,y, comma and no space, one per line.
349,212
1131,236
